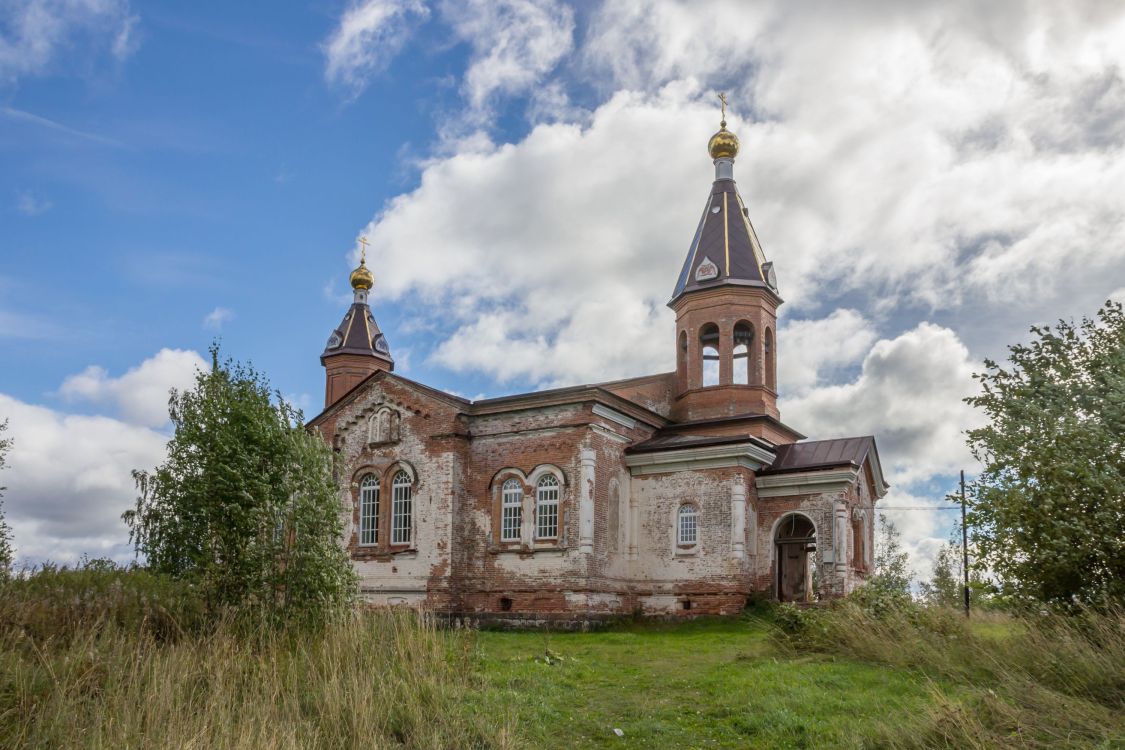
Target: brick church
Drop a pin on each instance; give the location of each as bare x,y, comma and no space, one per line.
675,493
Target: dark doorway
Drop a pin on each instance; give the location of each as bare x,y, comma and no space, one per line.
795,542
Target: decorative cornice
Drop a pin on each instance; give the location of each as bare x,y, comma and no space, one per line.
806,482
747,455
615,416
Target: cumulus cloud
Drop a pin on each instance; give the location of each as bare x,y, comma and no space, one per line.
909,395
35,33
815,349
370,33
68,480
140,396
561,249
514,44
217,317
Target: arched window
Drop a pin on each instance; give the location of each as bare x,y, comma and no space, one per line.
547,508
369,510
401,509
681,355
743,336
709,341
687,525
511,510
771,375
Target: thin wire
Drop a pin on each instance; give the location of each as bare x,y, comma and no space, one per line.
917,507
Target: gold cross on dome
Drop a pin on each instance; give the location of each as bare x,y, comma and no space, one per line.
723,99
363,252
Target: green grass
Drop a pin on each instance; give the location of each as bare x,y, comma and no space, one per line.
701,684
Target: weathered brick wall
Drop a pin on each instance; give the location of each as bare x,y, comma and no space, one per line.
531,575
418,573
707,578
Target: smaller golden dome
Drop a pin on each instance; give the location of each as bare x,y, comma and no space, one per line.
362,278
724,144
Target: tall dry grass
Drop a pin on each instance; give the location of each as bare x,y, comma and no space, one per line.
129,674
1040,681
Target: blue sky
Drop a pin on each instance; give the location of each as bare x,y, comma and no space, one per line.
929,180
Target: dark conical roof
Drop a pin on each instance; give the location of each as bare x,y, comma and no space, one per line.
358,334
725,249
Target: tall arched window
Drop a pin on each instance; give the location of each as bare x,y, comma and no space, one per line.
743,337
709,342
547,508
687,525
771,375
369,510
681,355
401,509
511,510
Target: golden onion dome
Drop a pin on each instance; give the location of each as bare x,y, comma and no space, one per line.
362,278
724,144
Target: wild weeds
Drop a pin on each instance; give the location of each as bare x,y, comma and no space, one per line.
107,675
1042,680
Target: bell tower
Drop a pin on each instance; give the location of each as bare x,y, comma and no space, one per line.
726,304
356,348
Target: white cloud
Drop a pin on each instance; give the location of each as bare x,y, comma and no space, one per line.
514,44
68,480
923,532
909,395
553,258
217,317
813,348
369,35
140,396
35,33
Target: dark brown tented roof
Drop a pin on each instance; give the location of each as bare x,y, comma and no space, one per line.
358,334
821,454
725,245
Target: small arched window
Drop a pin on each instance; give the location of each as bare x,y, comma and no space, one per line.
687,525
369,510
709,342
511,510
771,374
743,337
402,508
547,508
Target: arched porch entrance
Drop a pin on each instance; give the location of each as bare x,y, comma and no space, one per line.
795,543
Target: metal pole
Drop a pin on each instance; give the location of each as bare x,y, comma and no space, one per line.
964,544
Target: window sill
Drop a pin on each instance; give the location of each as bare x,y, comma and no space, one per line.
687,552
382,554
524,550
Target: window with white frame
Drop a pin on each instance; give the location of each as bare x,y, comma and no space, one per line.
511,510
547,508
369,510
687,526
401,508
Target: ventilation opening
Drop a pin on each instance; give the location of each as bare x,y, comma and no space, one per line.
505,604
685,604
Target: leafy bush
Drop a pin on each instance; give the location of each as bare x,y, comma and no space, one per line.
245,506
